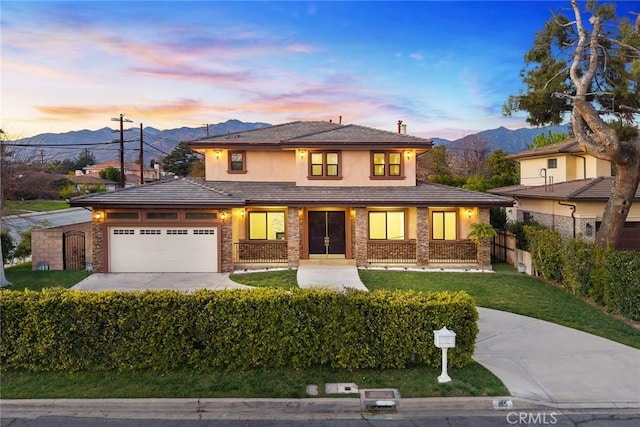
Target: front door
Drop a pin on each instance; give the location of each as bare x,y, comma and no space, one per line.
326,232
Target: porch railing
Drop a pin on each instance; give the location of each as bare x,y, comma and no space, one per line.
391,252
452,252
260,252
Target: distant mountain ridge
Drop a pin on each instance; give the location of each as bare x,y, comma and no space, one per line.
104,142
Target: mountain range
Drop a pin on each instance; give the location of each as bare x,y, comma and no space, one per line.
104,143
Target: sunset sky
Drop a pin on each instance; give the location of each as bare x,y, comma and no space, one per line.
443,67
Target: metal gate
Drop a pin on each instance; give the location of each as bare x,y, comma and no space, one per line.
73,250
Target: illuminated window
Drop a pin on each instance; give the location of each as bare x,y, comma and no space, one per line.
324,164
388,225
266,225
237,162
385,164
444,225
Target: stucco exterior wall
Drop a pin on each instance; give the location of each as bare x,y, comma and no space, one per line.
270,166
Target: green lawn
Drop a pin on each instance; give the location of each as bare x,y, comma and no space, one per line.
472,380
16,207
272,279
22,277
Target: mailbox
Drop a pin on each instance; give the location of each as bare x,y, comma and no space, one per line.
444,338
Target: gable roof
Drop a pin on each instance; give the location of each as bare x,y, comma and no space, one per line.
310,134
198,193
570,146
592,189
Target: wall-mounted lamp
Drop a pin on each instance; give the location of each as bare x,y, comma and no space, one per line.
300,212
589,229
223,216
242,213
302,153
469,213
353,213
408,154
217,154
98,215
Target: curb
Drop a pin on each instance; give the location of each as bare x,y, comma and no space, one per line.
279,409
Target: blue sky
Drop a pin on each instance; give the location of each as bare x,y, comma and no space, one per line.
443,67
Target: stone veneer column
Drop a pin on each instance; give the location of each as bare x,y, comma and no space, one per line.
97,231
226,242
484,248
293,237
422,236
361,237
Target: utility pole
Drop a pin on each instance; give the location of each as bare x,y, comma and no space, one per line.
207,125
121,120
141,157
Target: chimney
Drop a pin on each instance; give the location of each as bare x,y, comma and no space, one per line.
404,128
399,126
340,120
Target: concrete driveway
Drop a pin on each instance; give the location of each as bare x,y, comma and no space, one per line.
156,281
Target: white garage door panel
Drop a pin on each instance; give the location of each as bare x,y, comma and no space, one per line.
163,249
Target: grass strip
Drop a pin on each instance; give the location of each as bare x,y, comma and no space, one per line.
472,380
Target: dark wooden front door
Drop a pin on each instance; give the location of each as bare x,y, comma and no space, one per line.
73,250
326,232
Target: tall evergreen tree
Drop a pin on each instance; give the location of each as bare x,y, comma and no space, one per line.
180,160
590,68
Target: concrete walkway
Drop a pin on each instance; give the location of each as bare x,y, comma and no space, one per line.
545,362
340,277
156,281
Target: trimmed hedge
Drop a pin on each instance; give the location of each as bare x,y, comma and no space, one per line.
59,329
616,282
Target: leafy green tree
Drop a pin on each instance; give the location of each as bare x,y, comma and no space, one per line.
7,246
591,68
23,249
84,158
110,173
542,140
501,170
476,183
433,162
180,160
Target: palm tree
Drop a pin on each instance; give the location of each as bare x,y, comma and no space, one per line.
480,234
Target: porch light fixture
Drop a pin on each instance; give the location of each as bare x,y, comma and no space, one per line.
589,229
223,216
242,213
300,212
302,153
217,154
98,215
408,154
469,213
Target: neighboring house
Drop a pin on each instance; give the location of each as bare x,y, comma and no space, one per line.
82,182
131,171
563,187
296,191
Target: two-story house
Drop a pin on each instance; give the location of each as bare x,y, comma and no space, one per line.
280,195
563,187
131,172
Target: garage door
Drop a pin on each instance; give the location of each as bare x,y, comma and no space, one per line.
163,249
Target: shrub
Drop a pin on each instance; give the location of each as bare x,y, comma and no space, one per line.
578,265
71,330
546,250
7,245
617,282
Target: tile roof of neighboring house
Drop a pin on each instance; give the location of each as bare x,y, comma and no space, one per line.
116,164
199,193
310,134
593,189
570,146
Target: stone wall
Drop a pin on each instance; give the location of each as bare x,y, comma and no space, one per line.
361,237
294,248
226,242
422,234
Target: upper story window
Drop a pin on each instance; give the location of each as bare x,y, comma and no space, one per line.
552,163
386,164
324,164
237,162
444,225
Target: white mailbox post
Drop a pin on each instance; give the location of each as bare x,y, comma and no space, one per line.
444,339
